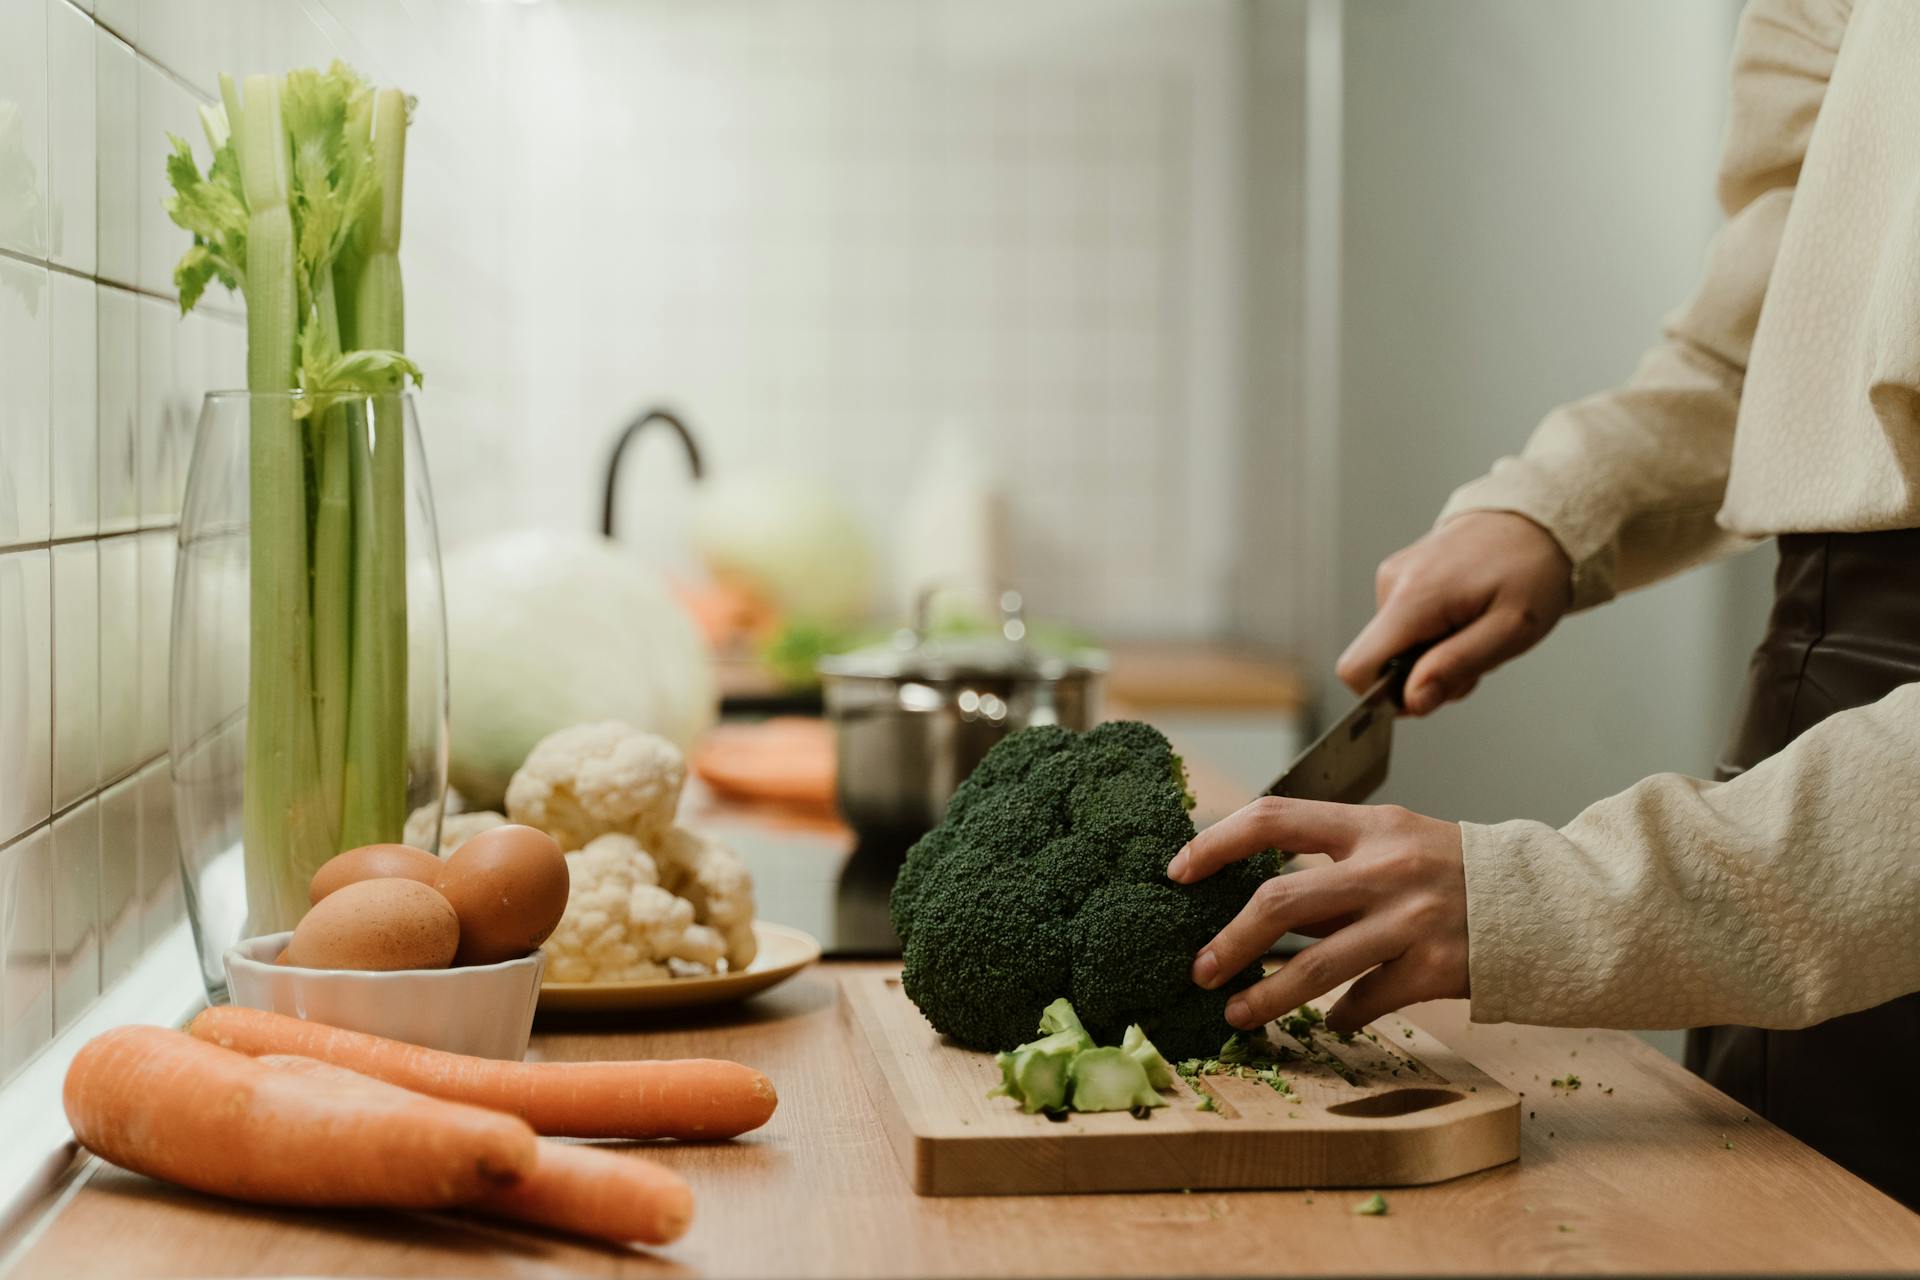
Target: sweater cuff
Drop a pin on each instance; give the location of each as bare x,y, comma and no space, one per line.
1514,943
1516,487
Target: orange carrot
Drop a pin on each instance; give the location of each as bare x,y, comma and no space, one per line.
688,1098
172,1107
621,1198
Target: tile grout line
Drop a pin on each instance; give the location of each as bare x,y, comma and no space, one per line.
181,81
74,539
215,308
119,779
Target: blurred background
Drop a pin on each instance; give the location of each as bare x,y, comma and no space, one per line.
1219,298
1178,315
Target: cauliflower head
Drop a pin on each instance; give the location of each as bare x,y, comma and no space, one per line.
712,878
620,925
458,828
596,779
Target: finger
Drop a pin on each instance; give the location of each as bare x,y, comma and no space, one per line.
1321,928
1394,985
1315,971
1406,618
1274,909
1393,627
1271,822
1450,669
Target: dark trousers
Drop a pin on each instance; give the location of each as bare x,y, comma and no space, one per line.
1845,632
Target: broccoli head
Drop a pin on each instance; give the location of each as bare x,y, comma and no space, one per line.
1047,878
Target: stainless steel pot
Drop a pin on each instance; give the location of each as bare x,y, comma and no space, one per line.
912,718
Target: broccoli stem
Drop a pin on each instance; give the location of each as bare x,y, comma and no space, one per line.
1110,1079
1035,1075
1136,1046
1059,1017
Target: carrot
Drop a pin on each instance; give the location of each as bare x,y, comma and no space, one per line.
689,1098
623,1199
173,1107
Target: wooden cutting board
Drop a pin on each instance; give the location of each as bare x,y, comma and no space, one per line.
1393,1107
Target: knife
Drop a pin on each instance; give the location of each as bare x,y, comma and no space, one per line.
1348,762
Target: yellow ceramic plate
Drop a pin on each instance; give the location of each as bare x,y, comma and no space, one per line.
783,953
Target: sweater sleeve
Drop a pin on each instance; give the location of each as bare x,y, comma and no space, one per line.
1782,898
1629,481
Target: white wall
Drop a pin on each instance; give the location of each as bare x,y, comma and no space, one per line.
1527,189
827,229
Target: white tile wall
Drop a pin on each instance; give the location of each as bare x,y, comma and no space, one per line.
117,182
26,375
76,911
828,229
100,387
72,136
76,672
26,948
74,403
23,127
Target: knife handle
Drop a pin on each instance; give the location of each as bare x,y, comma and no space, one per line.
1399,667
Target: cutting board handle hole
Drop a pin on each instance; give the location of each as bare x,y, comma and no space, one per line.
1398,1102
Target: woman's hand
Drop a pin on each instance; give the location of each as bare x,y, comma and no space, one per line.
1392,905
1495,580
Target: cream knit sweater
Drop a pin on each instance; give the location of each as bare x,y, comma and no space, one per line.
1785,398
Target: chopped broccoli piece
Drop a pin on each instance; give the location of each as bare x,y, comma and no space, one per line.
1035,1075
1048,875
1374,1206
1059,1017
1110,1080
1136,1046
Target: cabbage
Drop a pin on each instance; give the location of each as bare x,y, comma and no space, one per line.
548,630
788,541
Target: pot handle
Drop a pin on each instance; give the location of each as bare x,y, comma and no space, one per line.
665,417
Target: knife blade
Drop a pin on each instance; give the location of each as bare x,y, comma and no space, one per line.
1348,762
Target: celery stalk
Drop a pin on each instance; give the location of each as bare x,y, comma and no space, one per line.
286,835
375,802
333,584
300,210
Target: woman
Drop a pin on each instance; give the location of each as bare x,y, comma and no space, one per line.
1784,402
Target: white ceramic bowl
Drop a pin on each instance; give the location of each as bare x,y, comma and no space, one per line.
485,1010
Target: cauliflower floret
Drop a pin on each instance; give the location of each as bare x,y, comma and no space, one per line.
619,926
615,849
594,779
701,947
458,828
717,883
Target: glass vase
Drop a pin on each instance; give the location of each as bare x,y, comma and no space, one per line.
309,687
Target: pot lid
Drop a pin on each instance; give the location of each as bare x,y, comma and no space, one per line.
1006,652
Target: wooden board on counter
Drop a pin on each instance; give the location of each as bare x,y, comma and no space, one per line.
1391,1108
1152,679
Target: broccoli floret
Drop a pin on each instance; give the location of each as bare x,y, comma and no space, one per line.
1136,1046
1048,875
1110,1080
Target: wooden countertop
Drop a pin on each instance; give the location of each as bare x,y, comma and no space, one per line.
1643,1168
1149,678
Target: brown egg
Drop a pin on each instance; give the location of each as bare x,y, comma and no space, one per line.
282,957
509,888
373,862
377,924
